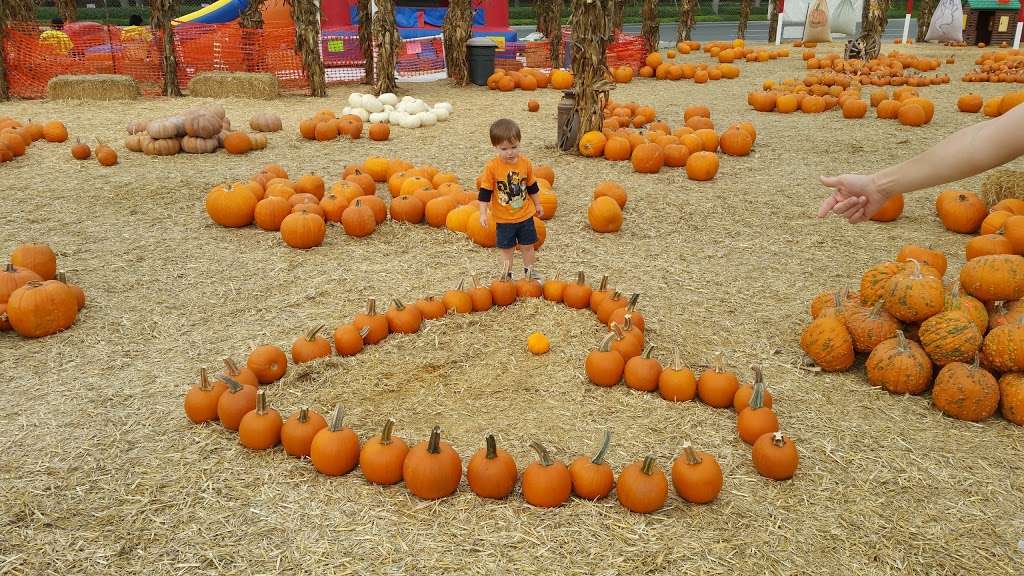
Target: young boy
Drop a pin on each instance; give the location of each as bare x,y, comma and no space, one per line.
508,193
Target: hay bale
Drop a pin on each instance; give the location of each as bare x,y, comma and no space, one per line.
254,85
1002,184
93,87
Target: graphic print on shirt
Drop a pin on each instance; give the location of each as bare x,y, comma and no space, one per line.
512,192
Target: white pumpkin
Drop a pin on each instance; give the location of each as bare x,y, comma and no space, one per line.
427,118
388,108
372,104
446,105
379,117
355,100
346,110
388,99
363,114
441,114
395,118
410,121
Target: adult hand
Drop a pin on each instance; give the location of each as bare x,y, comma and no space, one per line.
855,197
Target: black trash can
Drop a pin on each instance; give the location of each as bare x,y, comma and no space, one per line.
480,52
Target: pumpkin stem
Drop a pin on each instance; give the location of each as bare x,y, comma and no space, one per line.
778,440
977,362
385,434
757,398
605,443
461,284
204,380
233,385
434,444
916,274
604,283
364,332
648,465
399,305
9,268
691,455
647,353
607,341
676,359
616,295
633,299
339,416
719,362
542,452
492,447
311,335
580,278
627,322
62,277
617,331
901,341
877,309
371,304
304,414
261,402
232,367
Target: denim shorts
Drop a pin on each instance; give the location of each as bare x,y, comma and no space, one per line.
509,234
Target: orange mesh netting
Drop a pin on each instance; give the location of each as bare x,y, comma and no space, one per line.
623,50
136,52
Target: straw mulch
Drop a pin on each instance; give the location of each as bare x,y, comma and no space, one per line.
93,87
253,85
102,474
1002,184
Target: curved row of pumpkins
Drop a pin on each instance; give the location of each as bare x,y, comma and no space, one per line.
433,469
892,69
691,146
35,299
16,137
911,326
300,210
820,94
529,79
1001,66
199,131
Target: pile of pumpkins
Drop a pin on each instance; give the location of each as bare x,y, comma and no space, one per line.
993,107
999,229
606,206
529,79
198,131
736,51
692,146
919,334
817,94
300,210
999,66
656,67
35,299
433,469
16,138
408,112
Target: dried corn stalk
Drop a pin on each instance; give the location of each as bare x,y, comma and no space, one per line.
874,24
11,11
163,12
687,11
306,14
650,29
773,21
549,23
926,8
618,14
250,21
366,40
741,29
591,32
386,43
68,10
457,23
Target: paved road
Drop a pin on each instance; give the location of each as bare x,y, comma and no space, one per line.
756,31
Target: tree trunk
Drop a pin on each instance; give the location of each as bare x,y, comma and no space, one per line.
741,28
591,31
773,21
68,10
650,30
163,12
924,18
457,30
387,43
251,21
306,14
366,40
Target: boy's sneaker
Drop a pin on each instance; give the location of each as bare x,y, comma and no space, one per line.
532,274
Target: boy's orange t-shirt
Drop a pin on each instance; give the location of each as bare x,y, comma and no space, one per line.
510,203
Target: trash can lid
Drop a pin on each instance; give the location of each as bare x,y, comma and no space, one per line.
481,41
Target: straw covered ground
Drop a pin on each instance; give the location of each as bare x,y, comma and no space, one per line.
102,474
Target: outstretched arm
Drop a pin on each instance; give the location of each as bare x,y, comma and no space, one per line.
967,152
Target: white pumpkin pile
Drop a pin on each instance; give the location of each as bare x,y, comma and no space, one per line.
408,112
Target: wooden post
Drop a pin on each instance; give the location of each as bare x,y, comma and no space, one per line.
458,22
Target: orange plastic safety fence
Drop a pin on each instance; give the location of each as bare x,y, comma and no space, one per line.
94,48
624,50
